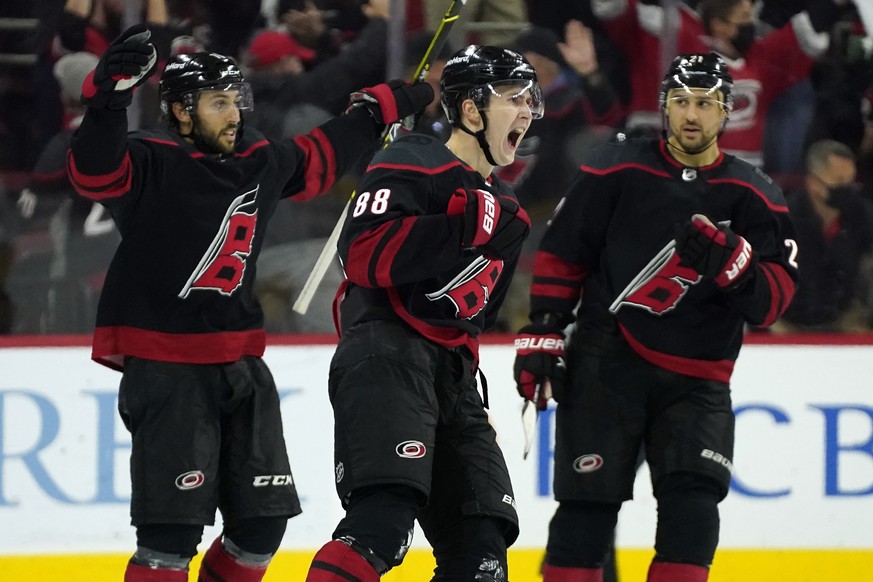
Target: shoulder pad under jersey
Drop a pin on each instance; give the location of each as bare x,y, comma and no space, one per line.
637,151
744,172
415,151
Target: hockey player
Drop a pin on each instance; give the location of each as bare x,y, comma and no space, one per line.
177,313
673,246
429,247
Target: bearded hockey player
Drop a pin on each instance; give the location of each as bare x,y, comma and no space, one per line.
177,313
429,248
661,252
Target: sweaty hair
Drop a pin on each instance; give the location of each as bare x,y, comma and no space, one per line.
818,153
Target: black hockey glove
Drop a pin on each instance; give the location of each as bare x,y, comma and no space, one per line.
127,63
717,253
392,101
539,367
496,226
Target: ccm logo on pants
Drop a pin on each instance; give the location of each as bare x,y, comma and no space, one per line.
274,480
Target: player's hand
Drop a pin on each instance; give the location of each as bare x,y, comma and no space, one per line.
392,101
494,225
126,64
539,367
717,253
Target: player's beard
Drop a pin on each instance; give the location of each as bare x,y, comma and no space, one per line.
212,143
697,146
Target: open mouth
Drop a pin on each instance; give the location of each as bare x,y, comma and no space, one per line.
515,137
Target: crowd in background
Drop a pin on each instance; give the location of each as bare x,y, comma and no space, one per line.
803,114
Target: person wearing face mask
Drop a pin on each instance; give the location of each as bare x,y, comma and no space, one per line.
763,67
834,224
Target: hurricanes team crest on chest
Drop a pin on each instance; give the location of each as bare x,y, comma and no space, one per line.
224,263
470,289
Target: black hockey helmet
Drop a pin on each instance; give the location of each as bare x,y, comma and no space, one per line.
699,71
477,71
187,74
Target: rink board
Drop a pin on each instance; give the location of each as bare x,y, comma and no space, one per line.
802,496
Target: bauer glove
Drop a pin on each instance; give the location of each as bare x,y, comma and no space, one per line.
392,101
494,225
127,63
717,253
539,367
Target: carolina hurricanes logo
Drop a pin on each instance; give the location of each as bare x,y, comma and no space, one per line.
190,480
470,290
224,263
588,463
745,112
660,285
411,449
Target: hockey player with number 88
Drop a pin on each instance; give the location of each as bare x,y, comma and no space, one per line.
429,246
661,251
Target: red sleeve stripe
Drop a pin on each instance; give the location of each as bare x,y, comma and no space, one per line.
781,291
394,237
717,370
556,291
320,161
101,187
758,193
360,263
552,266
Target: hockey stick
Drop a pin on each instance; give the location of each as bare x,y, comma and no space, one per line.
301,305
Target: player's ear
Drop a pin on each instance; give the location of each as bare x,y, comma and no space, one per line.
180,112
470,111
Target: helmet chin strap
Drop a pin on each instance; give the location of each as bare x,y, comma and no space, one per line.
480,138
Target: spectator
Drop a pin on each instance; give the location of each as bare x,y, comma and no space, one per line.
432,120
761,67
328,84
82,232
834,225
507,17
580,107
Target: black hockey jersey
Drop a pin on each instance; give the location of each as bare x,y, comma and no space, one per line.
611,242
402,253
179,287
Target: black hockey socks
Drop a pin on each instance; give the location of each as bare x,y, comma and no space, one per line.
688,520
339,562
581,534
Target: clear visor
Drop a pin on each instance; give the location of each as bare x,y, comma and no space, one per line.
240,94
517,92
685,93
237,94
